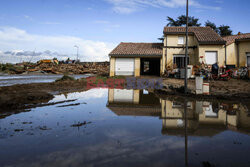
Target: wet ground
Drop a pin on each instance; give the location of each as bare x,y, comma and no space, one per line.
8,80
111,127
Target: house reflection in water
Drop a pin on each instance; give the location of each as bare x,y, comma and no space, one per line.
203,118
133,102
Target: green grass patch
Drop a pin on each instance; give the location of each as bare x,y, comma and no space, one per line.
66,78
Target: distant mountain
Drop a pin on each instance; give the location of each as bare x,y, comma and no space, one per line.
17,56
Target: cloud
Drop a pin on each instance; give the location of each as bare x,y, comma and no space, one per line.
28,17
130,6
12,39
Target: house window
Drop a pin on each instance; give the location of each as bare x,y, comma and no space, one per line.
179,61
181,40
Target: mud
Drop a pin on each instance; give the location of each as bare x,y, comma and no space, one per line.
36,94
236,90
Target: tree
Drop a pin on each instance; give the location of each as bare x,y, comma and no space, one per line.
181,21
212,25
225,30
172,22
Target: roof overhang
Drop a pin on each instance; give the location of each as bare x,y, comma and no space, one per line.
242,40
212,42
177,33
134,56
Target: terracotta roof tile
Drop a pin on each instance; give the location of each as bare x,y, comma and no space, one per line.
145,49
204,35
231,39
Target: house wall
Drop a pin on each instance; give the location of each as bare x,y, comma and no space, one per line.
232,54
137,67
168,53
164,56
220,49
244,47
111,95
112,67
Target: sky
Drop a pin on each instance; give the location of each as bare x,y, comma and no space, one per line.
38,29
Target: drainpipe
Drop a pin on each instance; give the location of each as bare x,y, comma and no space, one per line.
225,54
238,55
166,53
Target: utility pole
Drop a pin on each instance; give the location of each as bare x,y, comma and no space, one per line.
77,51
186,52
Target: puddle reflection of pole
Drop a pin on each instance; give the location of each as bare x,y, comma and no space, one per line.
186,135
186,88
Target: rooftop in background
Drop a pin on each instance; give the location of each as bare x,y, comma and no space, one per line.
231,39
204,35
138,49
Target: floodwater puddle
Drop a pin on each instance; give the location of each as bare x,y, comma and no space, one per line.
115,127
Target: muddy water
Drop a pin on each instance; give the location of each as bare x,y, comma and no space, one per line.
8,80
102,127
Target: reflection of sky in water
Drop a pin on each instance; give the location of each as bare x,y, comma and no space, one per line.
91,94
7,80
109,140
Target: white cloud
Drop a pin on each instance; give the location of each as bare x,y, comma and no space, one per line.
18,39
130,6
28,17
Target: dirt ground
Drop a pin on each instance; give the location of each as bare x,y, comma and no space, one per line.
26,95
231,88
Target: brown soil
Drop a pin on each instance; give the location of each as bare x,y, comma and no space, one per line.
231,90
25,95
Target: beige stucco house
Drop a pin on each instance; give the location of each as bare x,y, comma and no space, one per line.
238,50
205,46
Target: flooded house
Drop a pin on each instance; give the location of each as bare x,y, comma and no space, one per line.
238,50
205,47
136,59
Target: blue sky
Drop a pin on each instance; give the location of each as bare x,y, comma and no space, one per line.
97,26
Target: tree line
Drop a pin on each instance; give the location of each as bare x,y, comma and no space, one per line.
222,30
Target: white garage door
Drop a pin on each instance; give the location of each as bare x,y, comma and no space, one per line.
123,95
124,66
211,57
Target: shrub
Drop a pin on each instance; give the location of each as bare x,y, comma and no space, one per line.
65,78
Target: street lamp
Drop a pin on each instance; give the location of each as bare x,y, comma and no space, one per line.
77,51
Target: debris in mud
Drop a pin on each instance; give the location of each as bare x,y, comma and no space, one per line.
236,142
18,130
26,122
79,124
48,66
44,128
207,164
75,104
